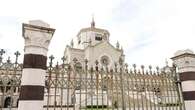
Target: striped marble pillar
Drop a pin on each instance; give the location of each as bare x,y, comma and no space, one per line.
37,35
185,62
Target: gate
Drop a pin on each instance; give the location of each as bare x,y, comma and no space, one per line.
76,87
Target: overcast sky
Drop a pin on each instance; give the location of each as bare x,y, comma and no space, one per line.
149,30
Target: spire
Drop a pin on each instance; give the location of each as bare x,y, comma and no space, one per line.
92,22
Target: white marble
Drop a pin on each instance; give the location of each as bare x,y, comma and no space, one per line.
35,50
188,85
33,77
30,105
190,105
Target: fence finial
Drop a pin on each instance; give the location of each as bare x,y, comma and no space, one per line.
134,68
142,67
63,61
8,60
2,52
1,55
51,60
157,69
150,69
17,54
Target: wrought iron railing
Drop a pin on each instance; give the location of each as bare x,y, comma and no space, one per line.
71,87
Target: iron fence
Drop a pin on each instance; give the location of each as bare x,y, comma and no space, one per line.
71,87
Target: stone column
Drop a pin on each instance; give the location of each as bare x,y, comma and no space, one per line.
37,35
185,62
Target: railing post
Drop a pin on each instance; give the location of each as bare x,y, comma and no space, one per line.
185,63
37,35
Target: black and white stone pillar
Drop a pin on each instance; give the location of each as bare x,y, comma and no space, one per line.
185,62
37,35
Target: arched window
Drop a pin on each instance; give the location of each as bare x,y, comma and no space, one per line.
7,102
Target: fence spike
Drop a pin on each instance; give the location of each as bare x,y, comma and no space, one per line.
57,65
134,67
51,57
142,67
131,71
139,72
17,54
157,69
2,52
8,60
1,55
146,72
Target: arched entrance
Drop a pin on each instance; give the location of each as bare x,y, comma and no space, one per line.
7,102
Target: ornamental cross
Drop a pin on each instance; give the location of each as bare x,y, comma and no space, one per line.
17,53
2,52
51,59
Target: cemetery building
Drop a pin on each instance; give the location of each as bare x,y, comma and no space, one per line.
93,44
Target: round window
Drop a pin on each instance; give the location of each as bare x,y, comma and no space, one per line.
105,60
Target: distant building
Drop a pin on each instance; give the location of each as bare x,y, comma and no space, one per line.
93,44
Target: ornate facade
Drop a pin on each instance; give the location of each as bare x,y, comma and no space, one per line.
93,44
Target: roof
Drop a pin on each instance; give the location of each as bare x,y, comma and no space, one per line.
93,29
